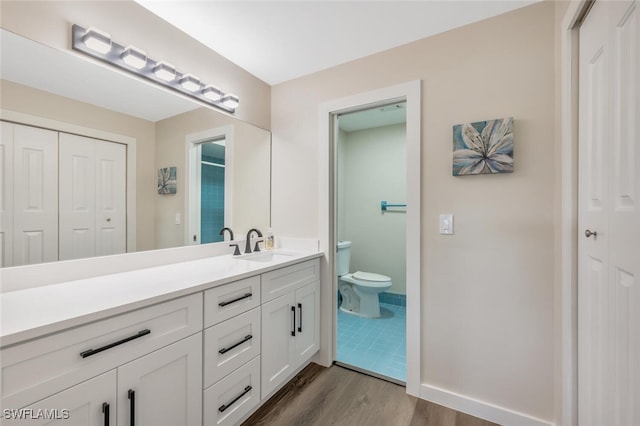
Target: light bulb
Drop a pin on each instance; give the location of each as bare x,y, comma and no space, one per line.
190,82
230,101
97,40
212,93
165,71
134,57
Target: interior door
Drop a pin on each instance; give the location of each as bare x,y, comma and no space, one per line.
92,197
111,204
6,194
77,197
609,219
35,196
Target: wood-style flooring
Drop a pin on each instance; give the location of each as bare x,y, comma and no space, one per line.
321,396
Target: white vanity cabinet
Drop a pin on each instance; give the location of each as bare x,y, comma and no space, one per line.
208,358
90,403
290,321
156,352
232,347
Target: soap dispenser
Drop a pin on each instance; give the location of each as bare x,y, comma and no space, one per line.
269,242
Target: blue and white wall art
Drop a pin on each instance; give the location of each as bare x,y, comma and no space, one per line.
483,147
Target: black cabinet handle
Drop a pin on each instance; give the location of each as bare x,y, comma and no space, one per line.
105,410
293,330
300,323
132,407
246,339
235,300
223,407
90,352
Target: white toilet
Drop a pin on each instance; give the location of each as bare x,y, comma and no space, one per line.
359,290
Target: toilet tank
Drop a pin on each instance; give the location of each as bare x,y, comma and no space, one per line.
343,257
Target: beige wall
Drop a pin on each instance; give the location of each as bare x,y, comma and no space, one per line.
372,168
49,22
250,183
26,100
487,303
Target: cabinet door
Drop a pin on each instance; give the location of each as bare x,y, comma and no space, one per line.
308,323
163,387
278,342
91,403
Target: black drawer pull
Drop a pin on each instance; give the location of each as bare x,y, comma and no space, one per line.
235,300
105,410
246,339
132,405
293,330
300,321
90,352
223,407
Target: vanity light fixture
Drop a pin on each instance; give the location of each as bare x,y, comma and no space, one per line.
135,58
99,45
97,40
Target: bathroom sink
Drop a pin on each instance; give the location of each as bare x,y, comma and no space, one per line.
267,256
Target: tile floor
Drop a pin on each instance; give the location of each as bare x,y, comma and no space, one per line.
375,344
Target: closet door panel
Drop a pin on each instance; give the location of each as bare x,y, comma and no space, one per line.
77,197
6,194
35,195
111,187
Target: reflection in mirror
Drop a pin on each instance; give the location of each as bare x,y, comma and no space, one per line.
75,99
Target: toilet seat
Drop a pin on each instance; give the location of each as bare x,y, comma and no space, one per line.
370,276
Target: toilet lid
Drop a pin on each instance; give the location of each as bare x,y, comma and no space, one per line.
368,276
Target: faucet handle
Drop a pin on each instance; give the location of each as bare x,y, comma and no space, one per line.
257,246
236,252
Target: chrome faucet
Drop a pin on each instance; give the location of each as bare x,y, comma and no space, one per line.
247,248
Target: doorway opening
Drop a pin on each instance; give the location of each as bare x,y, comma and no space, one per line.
370,211
208,201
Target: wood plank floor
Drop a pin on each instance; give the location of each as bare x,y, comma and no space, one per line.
321,396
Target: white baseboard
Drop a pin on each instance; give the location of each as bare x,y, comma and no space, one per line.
480,409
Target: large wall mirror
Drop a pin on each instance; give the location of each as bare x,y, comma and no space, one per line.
80,139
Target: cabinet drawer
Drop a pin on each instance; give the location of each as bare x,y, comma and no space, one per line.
229,300
42,367
232,398
230,344
284,280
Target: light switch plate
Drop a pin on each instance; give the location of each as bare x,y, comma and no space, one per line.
446,224
178,218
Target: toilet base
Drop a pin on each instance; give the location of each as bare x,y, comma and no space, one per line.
369,306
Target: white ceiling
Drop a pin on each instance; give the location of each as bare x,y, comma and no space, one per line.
281,40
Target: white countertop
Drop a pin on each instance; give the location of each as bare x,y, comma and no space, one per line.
35,312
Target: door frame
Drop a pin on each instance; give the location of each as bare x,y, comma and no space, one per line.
192,199
409,92
566,293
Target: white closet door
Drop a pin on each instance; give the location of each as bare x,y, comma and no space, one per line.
77,197
35,195
111,205
6,194
92,197
609,217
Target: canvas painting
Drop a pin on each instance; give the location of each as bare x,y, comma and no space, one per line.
167,180
483,147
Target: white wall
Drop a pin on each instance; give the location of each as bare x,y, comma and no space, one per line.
372,168
487,307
